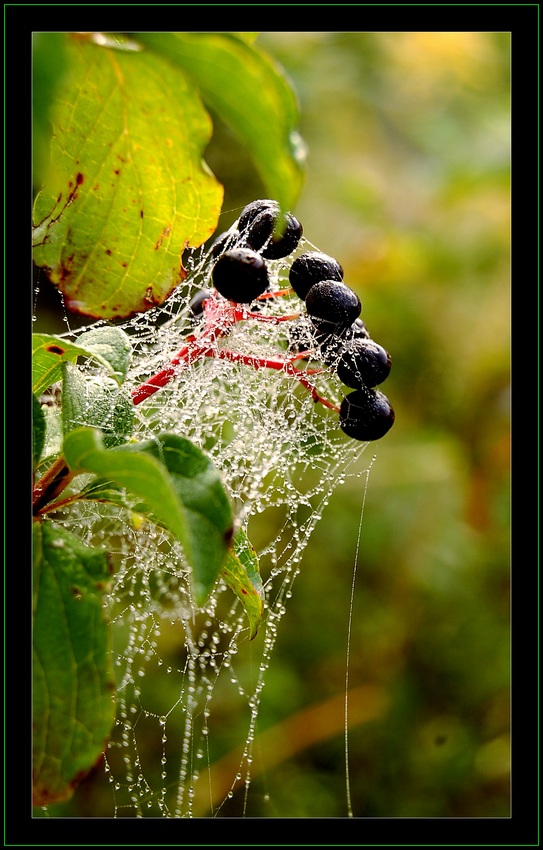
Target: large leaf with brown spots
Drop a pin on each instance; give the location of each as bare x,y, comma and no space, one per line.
127,189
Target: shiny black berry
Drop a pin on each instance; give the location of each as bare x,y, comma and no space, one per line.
363,363
240,275
334,302
284,239
310,268
254,209
260,230
366,414
264,229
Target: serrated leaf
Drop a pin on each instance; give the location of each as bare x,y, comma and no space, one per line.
96,402
178,487
251,93
242,574
133,190
38,430
50,352
73,684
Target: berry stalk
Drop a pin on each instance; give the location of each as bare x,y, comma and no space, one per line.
219,319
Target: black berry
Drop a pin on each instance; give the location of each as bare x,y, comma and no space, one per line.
260,229
284,241
310,268
254,209
334,302
264,230
363,362
240,275
366,414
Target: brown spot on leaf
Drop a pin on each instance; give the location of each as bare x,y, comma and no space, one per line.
55,349
165,232
79,178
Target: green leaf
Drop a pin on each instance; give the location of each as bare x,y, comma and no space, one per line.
48,354
38,430
252,95
179,487
132,191
102,490
207,508
137,471
48,68
97,402
249,37
242,575
73,685
110,347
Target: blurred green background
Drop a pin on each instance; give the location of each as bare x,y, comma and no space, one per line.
408,187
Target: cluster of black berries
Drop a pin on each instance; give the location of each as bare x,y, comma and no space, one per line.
241,273
343,343
332,327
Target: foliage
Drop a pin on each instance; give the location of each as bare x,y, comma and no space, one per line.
408,184
124,193
127,190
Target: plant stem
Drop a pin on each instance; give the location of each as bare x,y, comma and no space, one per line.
278,364
219,319
57,477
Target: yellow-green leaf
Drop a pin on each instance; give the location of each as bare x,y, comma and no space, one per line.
252,95
109,346
242,575
128,189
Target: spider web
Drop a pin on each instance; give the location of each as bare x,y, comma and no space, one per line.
281,456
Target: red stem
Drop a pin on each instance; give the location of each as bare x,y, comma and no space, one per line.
278,364
219,319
